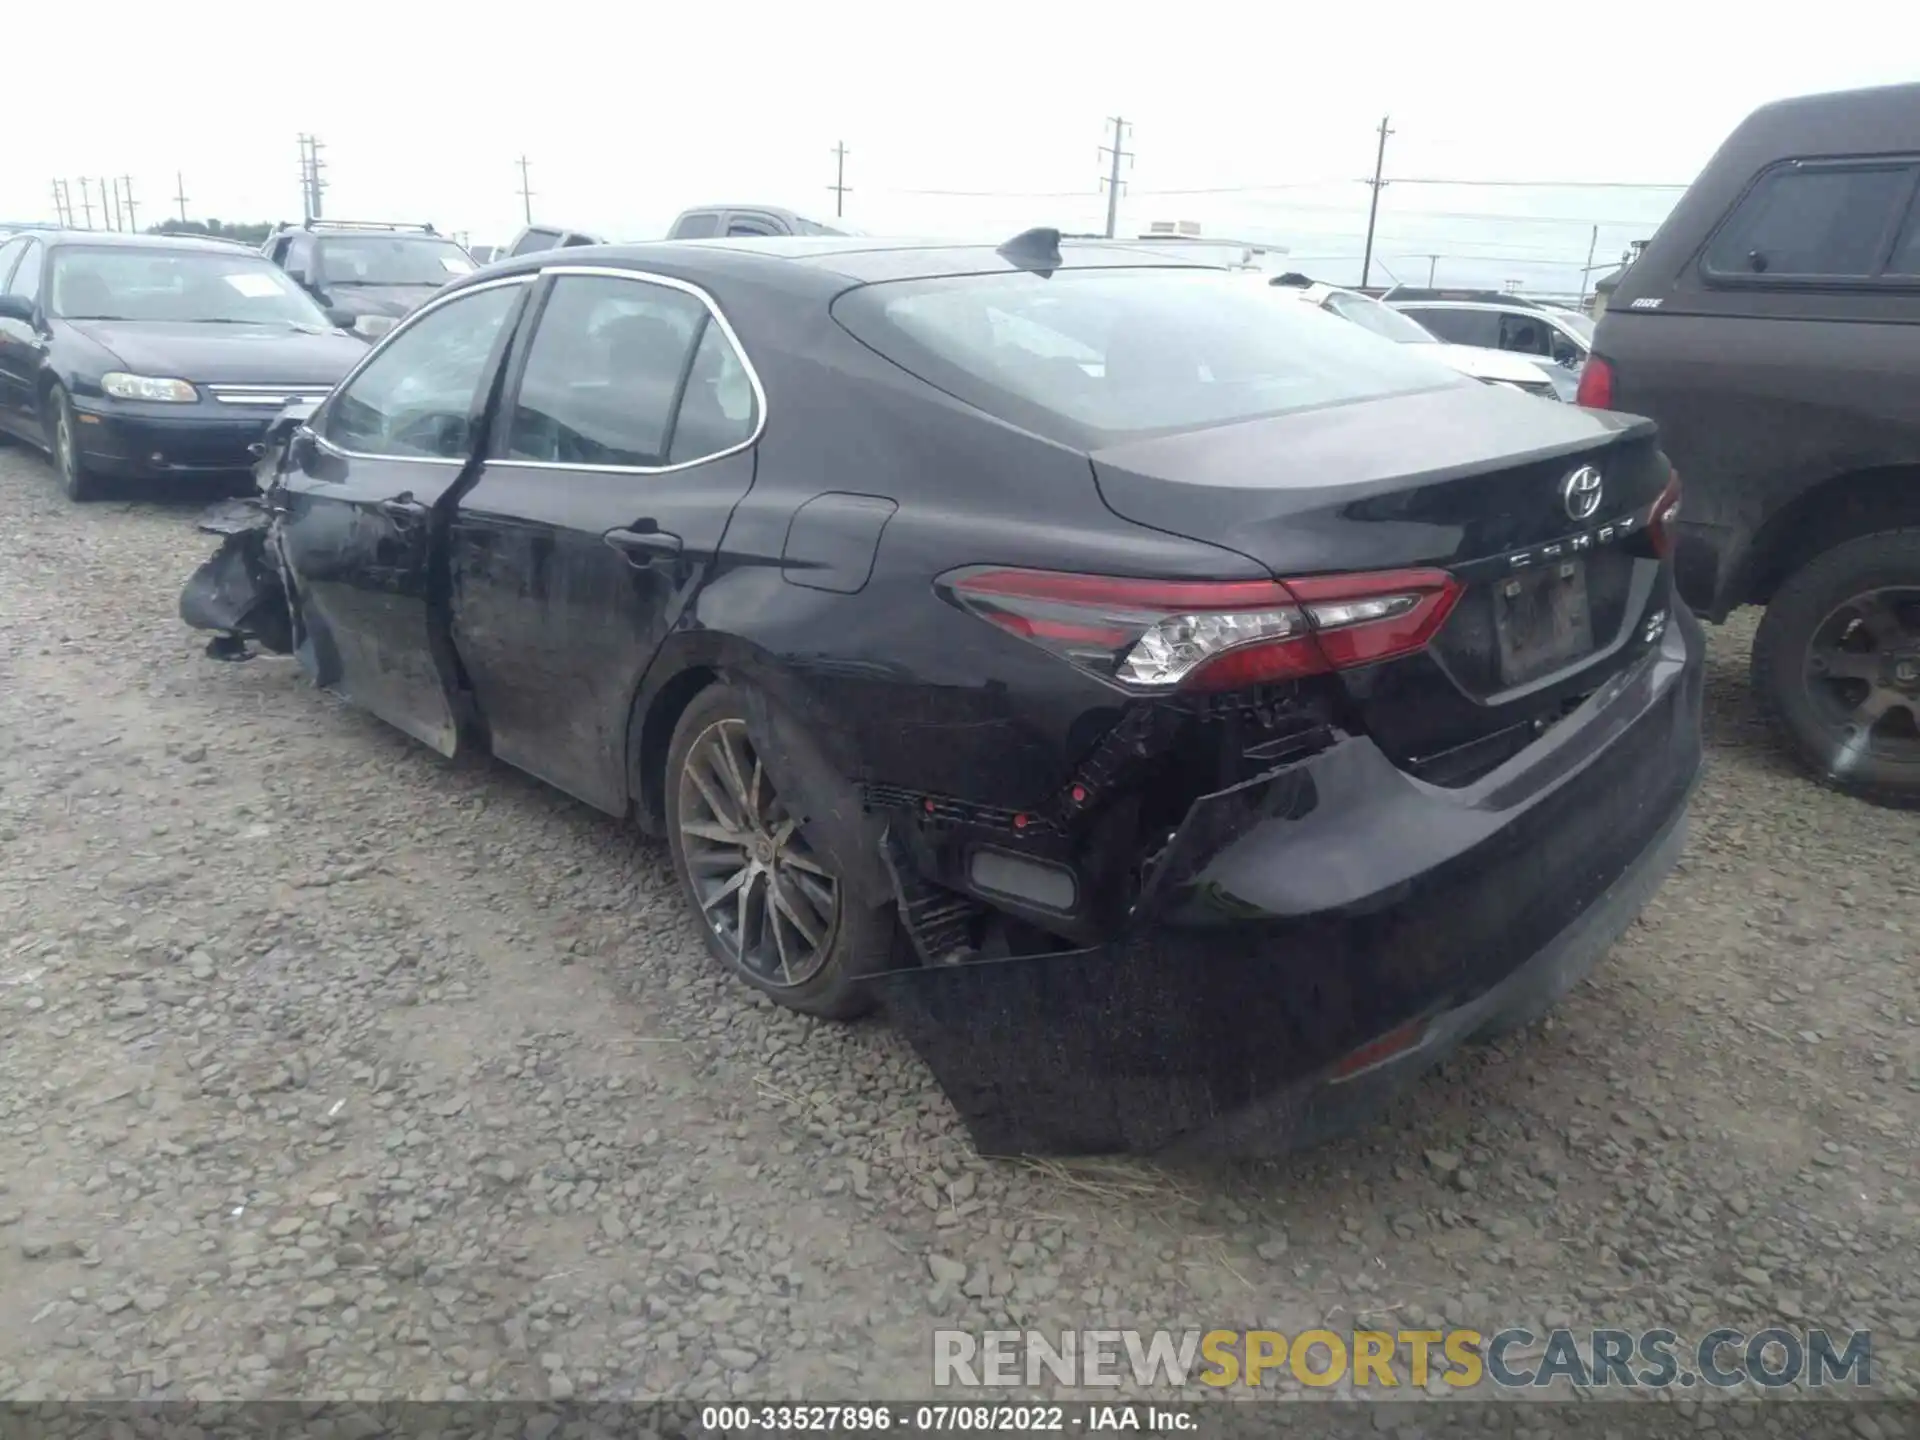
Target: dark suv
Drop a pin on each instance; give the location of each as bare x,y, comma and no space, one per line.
1772,328
367,274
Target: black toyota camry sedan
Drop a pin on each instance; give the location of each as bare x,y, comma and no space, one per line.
1188,714
134,357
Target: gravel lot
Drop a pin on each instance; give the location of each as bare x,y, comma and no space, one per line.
330,1069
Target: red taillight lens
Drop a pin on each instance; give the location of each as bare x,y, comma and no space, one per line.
1596,384
1666,510
1154,636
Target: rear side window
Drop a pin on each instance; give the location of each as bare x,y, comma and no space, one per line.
1099,356
697,226
1460,327
605,373
1828,222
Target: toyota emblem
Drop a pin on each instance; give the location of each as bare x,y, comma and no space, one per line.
1580,492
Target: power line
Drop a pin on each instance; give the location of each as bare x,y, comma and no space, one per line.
1539,184
526,193
1373,204
1112,180
839,186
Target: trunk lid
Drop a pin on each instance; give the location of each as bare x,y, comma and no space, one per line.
1472,480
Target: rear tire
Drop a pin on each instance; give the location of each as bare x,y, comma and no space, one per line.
1836,664
63,443
769,908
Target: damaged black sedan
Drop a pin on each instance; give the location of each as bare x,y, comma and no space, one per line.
1186,713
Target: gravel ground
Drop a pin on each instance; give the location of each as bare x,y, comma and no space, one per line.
331,1069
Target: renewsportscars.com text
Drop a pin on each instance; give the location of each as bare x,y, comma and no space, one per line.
1514,1358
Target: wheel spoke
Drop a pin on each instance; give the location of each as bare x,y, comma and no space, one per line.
1845,665
718,831
780,946
715,806
1869,712
817,895
737,885
810,929
736,780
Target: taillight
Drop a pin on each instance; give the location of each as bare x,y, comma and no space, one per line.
1660,521
1596,384
1153,636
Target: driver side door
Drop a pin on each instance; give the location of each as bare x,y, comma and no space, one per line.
365,499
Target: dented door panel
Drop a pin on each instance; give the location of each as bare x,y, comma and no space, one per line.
555,626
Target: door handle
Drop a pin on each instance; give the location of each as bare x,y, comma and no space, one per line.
643,547
403,510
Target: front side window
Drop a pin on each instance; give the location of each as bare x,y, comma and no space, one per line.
156,284
1811,222
535,240
417,395
390,260
9,253
604,373
26,279
1093,356
1527,334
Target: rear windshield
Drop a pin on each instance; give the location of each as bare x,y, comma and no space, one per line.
1094,356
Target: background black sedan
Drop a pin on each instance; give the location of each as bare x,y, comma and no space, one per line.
136,357
1187,710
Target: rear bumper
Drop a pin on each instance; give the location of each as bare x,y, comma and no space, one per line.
128,446
1305,915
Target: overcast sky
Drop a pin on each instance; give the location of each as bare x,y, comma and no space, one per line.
631,113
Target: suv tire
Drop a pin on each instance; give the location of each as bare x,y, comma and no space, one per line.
1795,635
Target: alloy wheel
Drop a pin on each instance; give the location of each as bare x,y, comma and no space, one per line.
773,906
63,445
1863,675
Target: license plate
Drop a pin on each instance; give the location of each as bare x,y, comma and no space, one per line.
1542,620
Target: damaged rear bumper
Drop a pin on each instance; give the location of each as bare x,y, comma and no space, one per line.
1322,935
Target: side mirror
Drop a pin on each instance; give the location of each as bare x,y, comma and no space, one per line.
16,307
342,318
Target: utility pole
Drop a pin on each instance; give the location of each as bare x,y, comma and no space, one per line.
1586,275
180,195
311,185
1373,205
133,219
60,209
839,186
86,202
526,194
1120,131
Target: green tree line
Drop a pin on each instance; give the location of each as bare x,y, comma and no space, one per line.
253,234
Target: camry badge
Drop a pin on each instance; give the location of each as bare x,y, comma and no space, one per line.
1580,493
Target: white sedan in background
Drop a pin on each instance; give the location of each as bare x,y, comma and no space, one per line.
1495,367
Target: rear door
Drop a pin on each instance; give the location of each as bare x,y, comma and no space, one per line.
367,494
22,346
610,478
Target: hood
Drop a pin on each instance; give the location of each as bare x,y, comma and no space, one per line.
232,354
394,300
1483,364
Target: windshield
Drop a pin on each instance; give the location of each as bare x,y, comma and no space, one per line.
1382,320
1093,356
390,260
1579,324
190,285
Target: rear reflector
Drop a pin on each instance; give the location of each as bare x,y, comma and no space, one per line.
1397,1041
1666,510
1158,635
1596,384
